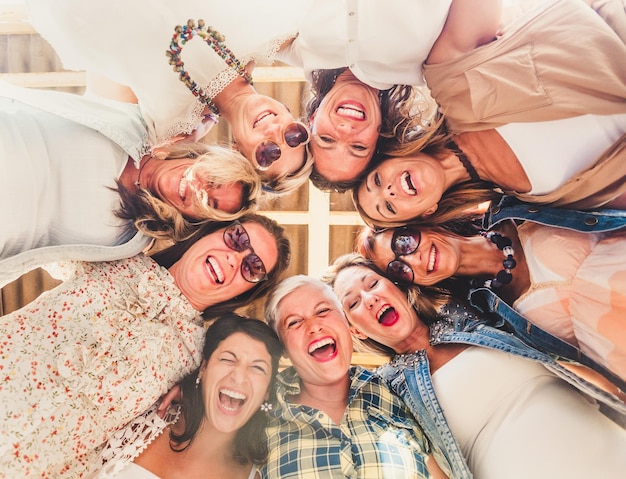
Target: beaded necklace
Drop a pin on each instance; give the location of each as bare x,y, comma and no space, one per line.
505,275
464,160
216,41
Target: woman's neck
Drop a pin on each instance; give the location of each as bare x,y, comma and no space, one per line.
493,159
332,398
481,257
228,101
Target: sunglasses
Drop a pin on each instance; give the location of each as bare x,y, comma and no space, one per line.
403,242
267,152
252,268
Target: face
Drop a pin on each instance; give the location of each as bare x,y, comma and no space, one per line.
376,308
315,334
173,182
211,272
345,129
235,381
264,119
402,188
436,257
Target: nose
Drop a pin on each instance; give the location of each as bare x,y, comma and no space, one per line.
237,374
369,299
390,191
314,325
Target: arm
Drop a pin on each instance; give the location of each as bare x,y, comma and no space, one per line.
99,85
435,471
470,23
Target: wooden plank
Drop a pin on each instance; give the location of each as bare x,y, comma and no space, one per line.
46,79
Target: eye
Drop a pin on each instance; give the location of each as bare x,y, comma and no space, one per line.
326,139
352,303
376,179
294,323
373,283
260,369
322,311
227,360
359,147
389,208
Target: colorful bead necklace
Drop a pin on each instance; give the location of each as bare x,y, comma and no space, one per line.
504,276
216,41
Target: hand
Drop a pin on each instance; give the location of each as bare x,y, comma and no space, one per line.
173,396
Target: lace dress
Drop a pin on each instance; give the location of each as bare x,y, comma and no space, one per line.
86,358
126,444
126,41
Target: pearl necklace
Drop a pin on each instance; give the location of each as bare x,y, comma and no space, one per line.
216,41
504,276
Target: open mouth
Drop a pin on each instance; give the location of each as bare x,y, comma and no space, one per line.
387,315
262,118
182,188
231,400
352,111
432,259
407,185
324,349
215,270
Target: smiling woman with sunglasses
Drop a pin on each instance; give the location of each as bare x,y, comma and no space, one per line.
557,268
109,341
214,58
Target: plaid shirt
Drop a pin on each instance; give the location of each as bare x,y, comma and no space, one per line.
377,436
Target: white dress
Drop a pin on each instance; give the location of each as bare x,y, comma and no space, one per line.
126,40
514,419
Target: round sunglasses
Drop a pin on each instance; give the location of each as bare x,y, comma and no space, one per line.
268,151
252,268
403,242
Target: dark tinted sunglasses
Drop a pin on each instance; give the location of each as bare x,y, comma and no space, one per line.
267,152
403,242
252,268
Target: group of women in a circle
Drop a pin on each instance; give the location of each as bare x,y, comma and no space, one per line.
521,122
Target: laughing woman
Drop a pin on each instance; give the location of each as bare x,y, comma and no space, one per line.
88,356
480,76
217,431
64,156
212,76
496,404
557,268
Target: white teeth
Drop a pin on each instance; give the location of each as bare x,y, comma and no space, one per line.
233,394
431,258
382,311
351,112
407,184
320,344
182,188
218,273
264,117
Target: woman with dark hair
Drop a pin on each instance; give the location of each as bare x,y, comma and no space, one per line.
492,405
219,426
556,268
88,356
64,156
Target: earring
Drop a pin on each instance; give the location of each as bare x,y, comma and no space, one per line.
266,406
198,381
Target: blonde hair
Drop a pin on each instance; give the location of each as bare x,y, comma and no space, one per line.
426,301
214,164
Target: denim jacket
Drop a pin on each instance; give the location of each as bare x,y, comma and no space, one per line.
119,122
409,376
487,301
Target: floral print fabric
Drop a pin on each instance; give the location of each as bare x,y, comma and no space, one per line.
86,358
